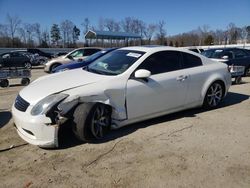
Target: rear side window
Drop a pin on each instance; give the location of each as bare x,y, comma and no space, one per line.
190,60
161,62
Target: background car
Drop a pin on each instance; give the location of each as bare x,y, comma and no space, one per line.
15,59
85,62
75,55
230,56
124,86
40,53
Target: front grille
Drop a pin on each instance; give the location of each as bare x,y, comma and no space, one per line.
21,104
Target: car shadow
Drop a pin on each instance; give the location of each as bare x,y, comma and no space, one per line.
67,138
5,117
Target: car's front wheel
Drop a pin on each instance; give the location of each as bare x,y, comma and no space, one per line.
27,65
214,95
91,121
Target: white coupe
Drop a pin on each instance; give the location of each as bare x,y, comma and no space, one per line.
125,86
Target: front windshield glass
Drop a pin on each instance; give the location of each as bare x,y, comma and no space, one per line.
115,62
95,56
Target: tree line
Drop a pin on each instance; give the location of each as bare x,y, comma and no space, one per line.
15,33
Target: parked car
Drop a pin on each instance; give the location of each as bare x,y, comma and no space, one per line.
194,49
35,59
75,55
84,63
230,56
125,86
40,53
14,59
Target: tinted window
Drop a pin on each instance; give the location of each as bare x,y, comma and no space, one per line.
16,54
89,52
161,62
190,60
239,53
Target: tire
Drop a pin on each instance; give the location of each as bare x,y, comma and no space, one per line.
27,65
4,83
214,95
247,71
91,121
25,81
53,66
238,80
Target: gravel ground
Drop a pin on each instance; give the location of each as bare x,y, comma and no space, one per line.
193,148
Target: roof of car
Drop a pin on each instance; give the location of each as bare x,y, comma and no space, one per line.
152,48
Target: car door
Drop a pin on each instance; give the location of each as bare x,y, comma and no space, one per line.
17,59
164,90
193,66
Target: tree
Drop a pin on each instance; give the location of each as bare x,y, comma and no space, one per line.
86,25
37,32
67,31
171,43
55,34
209,40
161,35
13,23
149,31
76,34
232,33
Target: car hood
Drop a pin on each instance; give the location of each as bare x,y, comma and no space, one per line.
59,82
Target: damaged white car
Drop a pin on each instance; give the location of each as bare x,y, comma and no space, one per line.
125,86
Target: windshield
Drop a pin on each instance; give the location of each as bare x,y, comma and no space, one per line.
213,53
115,62
95,56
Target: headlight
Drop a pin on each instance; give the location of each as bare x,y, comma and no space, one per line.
44,105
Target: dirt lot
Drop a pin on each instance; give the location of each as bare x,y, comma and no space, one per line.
194,148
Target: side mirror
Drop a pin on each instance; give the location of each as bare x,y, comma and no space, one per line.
142,74
225,57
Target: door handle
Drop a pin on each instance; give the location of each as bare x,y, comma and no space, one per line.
181,78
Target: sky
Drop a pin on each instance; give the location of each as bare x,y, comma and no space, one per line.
179,15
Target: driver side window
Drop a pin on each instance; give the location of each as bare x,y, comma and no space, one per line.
161,62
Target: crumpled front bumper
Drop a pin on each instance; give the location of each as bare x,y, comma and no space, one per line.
36,130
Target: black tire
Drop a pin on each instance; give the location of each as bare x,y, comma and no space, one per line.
27,65
53,66
25,81
4,83
214,95
238,80
88,123
247,71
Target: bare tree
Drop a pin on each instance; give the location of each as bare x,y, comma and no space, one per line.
101,24
161,35
13,23
126,24
86,25
232,33
37,32
67,31
149,31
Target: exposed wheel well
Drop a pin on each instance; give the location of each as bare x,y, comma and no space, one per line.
54,65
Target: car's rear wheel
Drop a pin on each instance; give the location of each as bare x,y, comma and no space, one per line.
214,95
25,81
91,121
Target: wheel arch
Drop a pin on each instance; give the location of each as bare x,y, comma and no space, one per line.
210,81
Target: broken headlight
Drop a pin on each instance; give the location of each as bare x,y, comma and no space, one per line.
44,105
